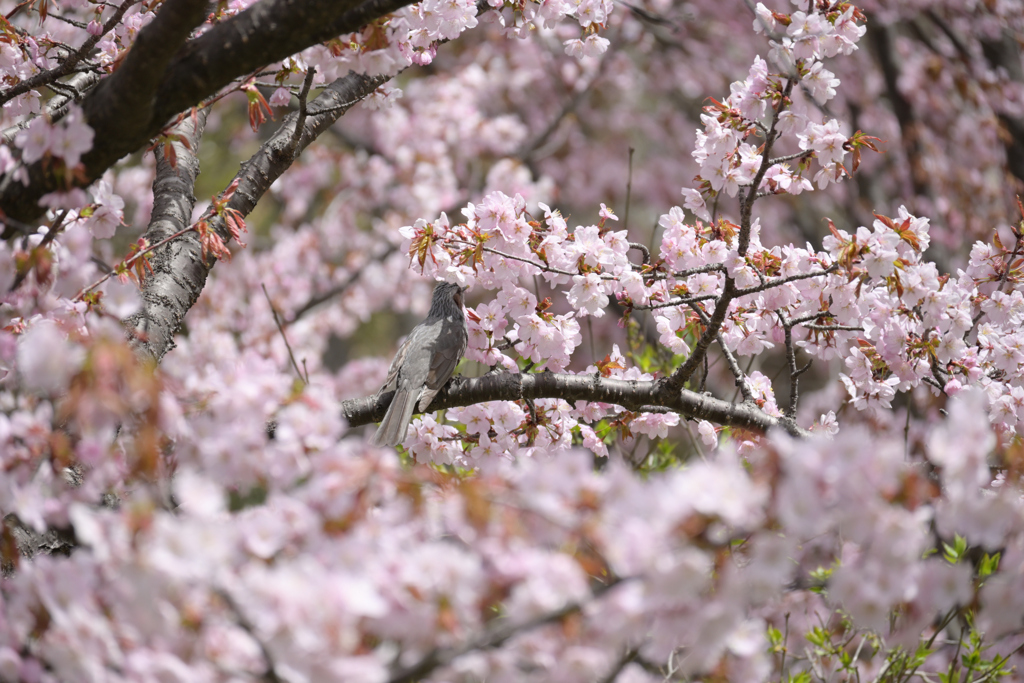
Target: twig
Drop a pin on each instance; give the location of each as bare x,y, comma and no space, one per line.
493,637
629,192
730,360
318,299
541,266
280,327
790,157
300,122
129,262
58,223
833,328
642,248
628,656
737,293
794,372
57,107
271,673
65,67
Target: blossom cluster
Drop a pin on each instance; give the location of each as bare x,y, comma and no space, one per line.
363,568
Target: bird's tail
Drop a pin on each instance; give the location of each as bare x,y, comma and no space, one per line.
396,421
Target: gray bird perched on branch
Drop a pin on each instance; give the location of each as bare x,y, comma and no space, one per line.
424,363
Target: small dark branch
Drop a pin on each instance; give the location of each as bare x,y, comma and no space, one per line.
57,106
493,637
58,224
67,20
678,302
789,157
730,359
710,268
642,248
714,325
683,373
532,407
535,264
271,161
807,318
55,228
794,372
833,328
748,198
1019,235
649,17
528,149
280,328
937,373
627,657
300,123
771,284
67,66
270,674
506,344
734,368
13,226
629,193
630,394
342,107
339,289
880,40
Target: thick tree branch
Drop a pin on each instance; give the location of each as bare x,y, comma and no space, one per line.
178,269
181,271
158,80
630,394
119,110
280,151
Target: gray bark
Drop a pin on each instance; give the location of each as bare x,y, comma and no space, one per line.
631,394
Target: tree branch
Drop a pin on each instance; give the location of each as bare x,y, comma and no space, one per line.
630,394
494,636
158,81
65,67
179,272
278,153
57,106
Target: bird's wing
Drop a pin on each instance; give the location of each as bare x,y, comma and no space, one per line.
391,381
444,358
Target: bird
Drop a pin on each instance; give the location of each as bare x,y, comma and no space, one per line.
424,363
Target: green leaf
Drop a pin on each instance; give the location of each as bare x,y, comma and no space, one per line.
954,553
989,564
